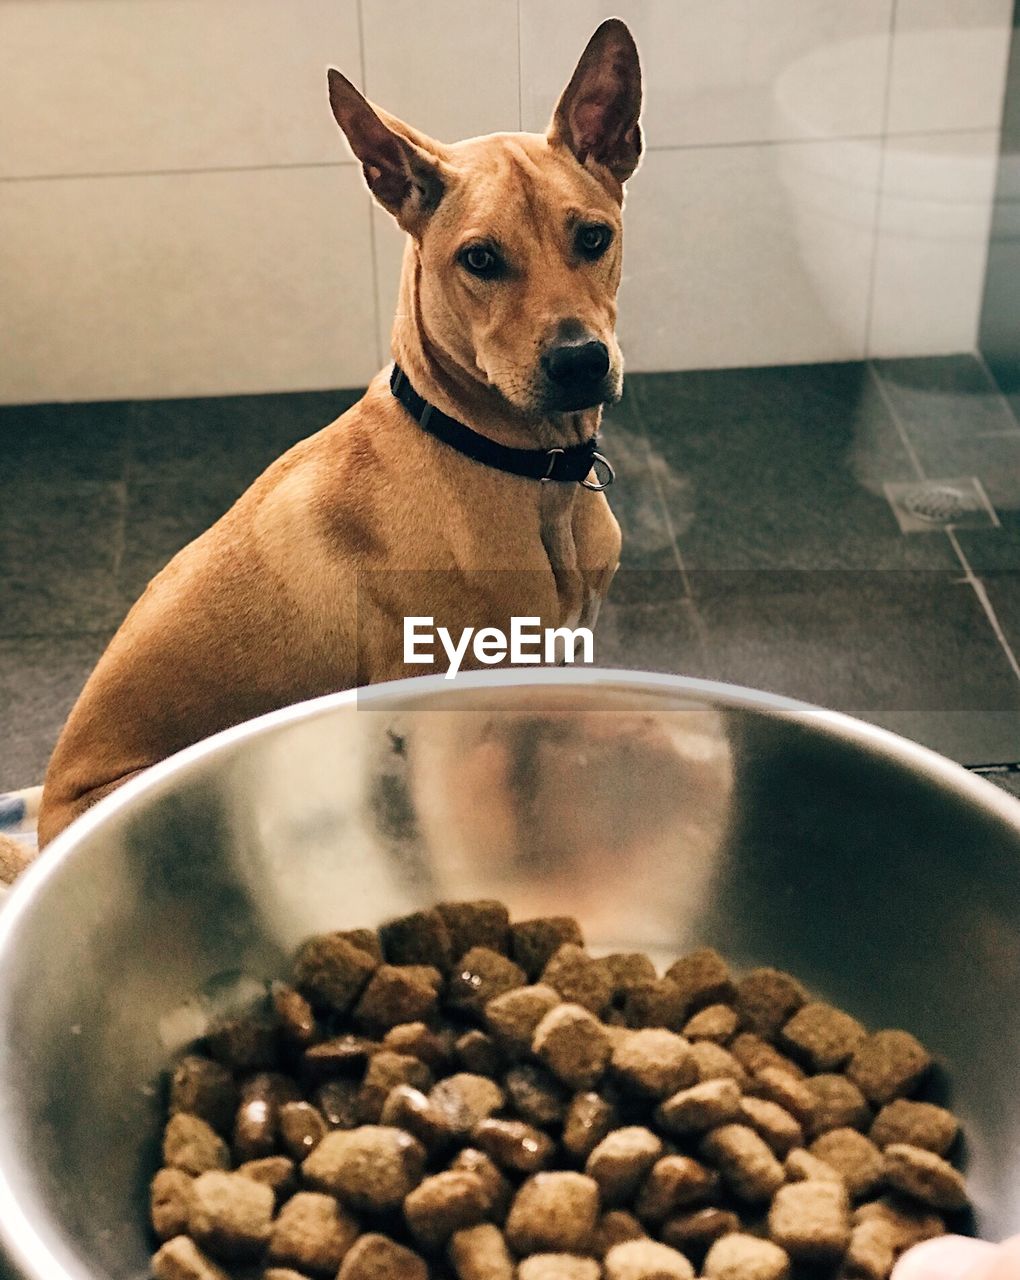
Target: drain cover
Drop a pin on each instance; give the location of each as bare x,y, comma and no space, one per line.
921,506
939,503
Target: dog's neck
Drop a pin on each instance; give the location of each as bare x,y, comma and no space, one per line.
460,393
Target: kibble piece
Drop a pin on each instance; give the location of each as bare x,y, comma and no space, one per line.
535,1094
919,1124
646,1260
257,1120
771,1122
613,1228
839,1104
697,1229
907,1223
755,1055
480,976
274,1172
853,1156
483,923
302,1128
372,1168
558,1266
364,940
395,995
703,978
418,1041
338,1102
332,972
245,1040
230,1216
871,1252
802,1166
823,1036
589,1118
344,1055
653,1062
385,1071
713,1062
811,1221
181,1259
205,1089
767,999
419,938
579,978
514,1144
464,1100
785,1091
295,1015
889,1065
445,1203
377,1257
674,1182
657,1002
716,1022
621,1161
410,1109
925,1176
282,1273
312,1232
498,1191
553,1213
170,1203
194,1146
750,1169
700,1108
480,1253
477,1052
627,969
513,1017
742,1257
535,942
573,1044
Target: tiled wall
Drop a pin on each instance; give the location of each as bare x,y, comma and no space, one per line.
178,215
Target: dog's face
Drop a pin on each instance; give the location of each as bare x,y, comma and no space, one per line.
517,243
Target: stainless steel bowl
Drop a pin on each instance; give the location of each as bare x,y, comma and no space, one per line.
664,812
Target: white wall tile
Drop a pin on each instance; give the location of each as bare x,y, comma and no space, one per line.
725,70
934,218
449,67
124,86
185,285
748,255
949,64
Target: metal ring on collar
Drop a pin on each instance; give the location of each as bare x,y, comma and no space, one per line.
610,474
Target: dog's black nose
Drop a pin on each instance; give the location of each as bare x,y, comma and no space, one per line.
577,364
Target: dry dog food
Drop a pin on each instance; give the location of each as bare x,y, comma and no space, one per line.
459,1097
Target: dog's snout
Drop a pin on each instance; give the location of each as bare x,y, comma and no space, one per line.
577,364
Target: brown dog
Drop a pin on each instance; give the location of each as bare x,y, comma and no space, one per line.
505,322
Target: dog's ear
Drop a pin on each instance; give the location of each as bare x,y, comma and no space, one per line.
403,169
597,116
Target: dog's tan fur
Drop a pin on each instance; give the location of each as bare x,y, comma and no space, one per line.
298,591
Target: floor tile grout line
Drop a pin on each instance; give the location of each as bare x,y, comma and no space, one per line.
981,592
372,239
972,580
520,73
997,391
900,429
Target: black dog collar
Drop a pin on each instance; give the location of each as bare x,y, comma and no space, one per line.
572,465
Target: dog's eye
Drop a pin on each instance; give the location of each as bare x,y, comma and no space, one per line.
481,261
593,240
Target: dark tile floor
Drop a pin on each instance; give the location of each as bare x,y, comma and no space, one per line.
759,546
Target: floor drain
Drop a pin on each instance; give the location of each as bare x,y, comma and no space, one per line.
921,506
939,503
